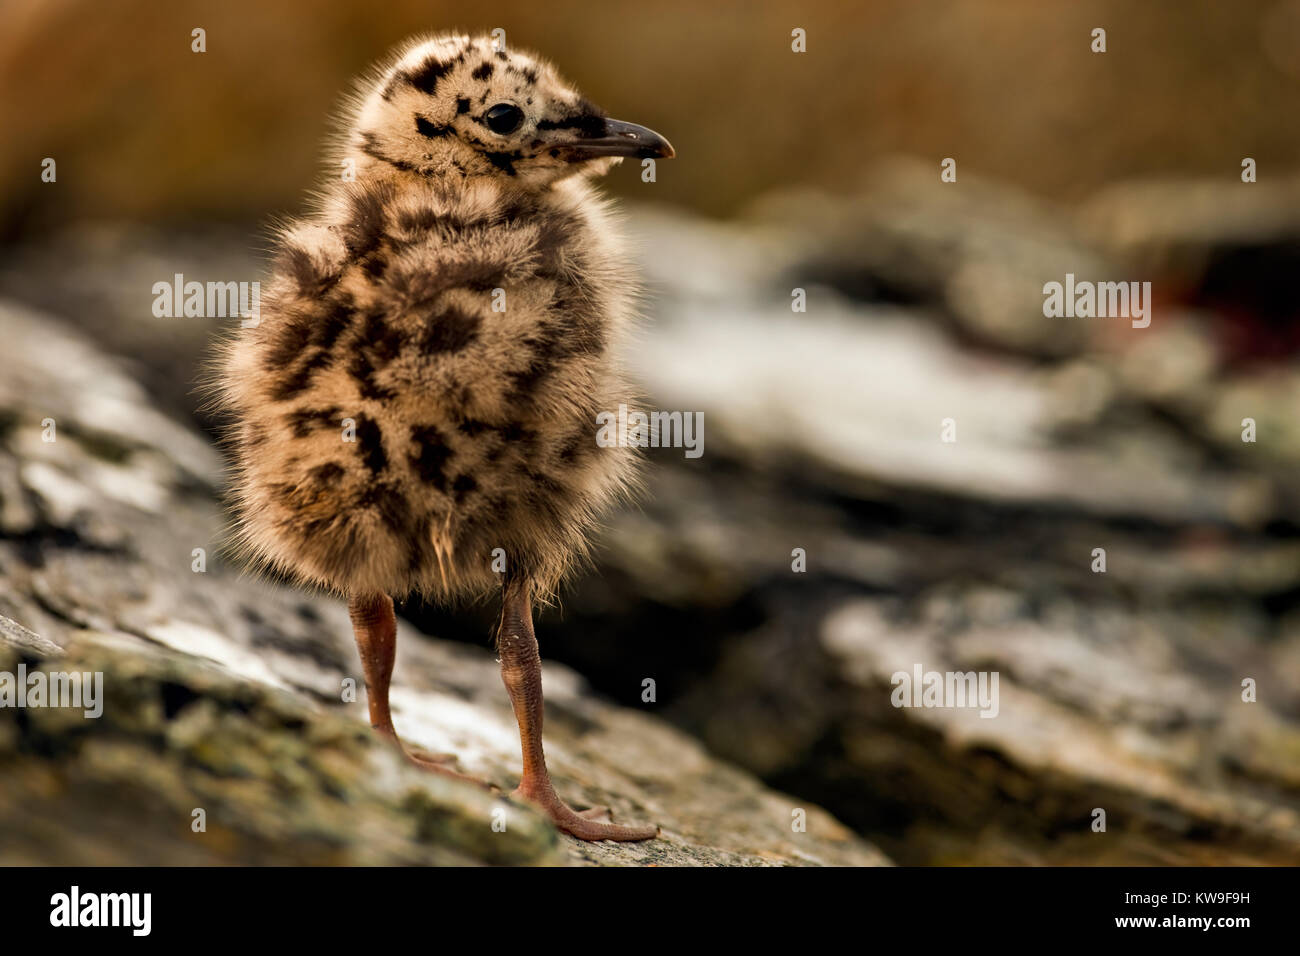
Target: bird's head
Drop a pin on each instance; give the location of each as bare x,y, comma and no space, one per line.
456,106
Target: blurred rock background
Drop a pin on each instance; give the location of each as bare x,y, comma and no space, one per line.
821,171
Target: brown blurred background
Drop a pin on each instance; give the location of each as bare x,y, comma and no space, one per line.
143,128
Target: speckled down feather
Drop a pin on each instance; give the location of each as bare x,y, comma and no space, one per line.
390,428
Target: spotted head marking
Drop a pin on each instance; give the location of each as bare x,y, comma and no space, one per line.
456,106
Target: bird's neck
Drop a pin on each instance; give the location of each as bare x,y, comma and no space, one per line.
472,196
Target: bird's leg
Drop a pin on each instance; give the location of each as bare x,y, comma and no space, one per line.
374,625
521,670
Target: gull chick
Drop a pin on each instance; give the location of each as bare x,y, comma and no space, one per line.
415,411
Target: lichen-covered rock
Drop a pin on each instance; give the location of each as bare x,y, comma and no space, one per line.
189,764
1122,689
238,698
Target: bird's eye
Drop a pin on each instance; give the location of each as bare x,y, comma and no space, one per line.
504,118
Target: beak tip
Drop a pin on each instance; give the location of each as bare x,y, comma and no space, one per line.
622,139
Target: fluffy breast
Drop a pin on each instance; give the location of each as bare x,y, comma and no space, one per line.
416,408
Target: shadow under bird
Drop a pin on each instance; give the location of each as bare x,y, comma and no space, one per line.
418,401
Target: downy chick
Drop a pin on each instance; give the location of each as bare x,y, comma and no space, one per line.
433,349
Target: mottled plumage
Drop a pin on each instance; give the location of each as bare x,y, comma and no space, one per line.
474,429
435,343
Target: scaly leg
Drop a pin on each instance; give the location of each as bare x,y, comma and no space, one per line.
374,625
521,670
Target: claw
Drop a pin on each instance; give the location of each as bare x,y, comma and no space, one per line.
583,825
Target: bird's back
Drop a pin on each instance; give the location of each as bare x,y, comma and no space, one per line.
423,384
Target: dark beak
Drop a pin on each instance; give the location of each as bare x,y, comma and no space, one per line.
621,139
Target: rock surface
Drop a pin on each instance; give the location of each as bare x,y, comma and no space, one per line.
1119,691
225,694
